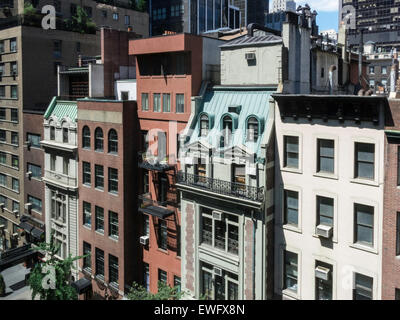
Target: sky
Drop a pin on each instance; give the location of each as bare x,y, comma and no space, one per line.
327,10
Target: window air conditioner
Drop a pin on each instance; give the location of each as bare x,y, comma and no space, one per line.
29,174
324,231
250,56
144,240
28,206
322,273
217,215
218,271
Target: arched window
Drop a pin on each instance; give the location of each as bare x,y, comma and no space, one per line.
86,137
252,129
227,130
112,141
99,140
204,125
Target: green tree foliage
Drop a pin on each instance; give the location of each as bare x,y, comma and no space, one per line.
81,22
165,292
29,10
62,275
2,286
142,5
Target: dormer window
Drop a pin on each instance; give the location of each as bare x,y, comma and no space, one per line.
204,125
252,129
227,126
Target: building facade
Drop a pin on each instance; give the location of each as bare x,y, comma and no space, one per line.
283,5
329,197
198,16
60,176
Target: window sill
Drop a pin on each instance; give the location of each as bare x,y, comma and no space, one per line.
165,251
86,185
99,232
364,248
286,169
98,189
326,175
292,228
290,293
371,183
99,151
113,194
115,239
87,227
332,239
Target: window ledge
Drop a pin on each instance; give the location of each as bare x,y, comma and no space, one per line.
286,169
332,239
371,183
101,233
87,227
163,251
292,228
115,239
364,248
326,175
290,294
113,194
98,189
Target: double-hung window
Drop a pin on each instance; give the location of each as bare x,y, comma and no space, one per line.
166,102
156,102
86,173
99,262
291,207
363,287
364,224
112,180
291,152
99,176
326,156
113,224
87,214
364,165
290,273
99,216
162,234
325,211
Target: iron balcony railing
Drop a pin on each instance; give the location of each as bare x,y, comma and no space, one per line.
223,187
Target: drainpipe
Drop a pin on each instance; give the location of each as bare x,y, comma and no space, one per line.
253,271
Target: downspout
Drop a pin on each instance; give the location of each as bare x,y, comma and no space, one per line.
253,271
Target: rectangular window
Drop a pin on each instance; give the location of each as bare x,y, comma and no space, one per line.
372,70
112,180
326,156
88,11
1,69
162,276
291,152
146,187
325,211
52,133
15,206
156,102
146,225
384,70
2,91
2,46
57,46
3,136
162,234
180,103
87,260
177,283
291,207
397,294
73,9
15,162
14,92
146,276
99,176
99,262
113,269
14,138
113,224
364,224
127,20
65,135
364,161
323,286
87,214
115,16
2,113
34,140
66,166
14,115
3,200
3,158
166,102
15,184
99,217
36,203
290,273
3,180
13,44
52,162
145,102
363,287
86,173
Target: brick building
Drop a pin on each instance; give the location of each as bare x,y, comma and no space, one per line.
170,71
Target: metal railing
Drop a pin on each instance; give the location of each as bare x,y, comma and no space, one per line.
223,187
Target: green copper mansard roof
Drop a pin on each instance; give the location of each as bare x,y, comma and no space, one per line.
239,103
62,109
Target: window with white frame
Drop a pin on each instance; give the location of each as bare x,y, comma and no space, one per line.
204,125
363,287
291,152
364,224
156,102
113,269
252,129
364,161
99,219
291,207
218,284
326,156
220,230
58,206
290,271
323,281
87,214
325,211
113,224
98,176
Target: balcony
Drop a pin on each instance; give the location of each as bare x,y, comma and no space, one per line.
153,163
154,208
60,179
222,187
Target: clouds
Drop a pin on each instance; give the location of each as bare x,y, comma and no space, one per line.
318,5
